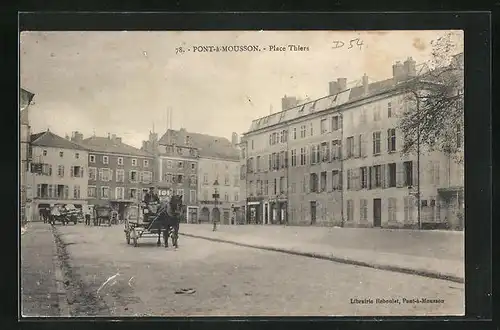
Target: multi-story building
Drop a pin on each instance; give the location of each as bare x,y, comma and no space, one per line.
218,173
177,168
345,164
25,98
58,172
119,174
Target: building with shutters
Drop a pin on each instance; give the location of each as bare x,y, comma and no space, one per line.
58,172
118,174
337,161
25,98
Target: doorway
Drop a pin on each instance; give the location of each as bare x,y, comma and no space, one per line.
313,212
377,212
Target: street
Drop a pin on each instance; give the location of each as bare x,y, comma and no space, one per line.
107,277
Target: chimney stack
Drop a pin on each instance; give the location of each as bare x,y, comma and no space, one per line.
288,102
333,87
234,139
342,82
77,137
410,67
365,84
398,71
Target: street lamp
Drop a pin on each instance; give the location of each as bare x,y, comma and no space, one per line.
215,195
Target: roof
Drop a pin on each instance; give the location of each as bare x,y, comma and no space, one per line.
108,145
49,139
208,146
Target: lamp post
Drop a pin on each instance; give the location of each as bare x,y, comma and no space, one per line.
215,195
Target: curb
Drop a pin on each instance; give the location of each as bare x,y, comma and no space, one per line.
397,269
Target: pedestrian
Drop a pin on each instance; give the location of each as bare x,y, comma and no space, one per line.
86,213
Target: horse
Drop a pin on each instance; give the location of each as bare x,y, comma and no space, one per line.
169,218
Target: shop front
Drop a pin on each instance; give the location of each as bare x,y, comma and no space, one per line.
277,211
452,207
255,208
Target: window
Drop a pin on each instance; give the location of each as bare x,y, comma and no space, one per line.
61,154
335,123
391,139
92,158
258,163
205,178
311,128
364,177
169,164
363,210
266,187
376,143
392,175
76,171
92,173
226,197
302,156
120,175
91,192
349,179
324,129
313,182
180,192
336,149
180,164
193,166
325,152
282,185
134,162
76,191
350,146
294,157
408,173
377,176
180,178
350,210
105,174
193,180
376,113
275,186
119,160
77,155
104,192
120,193
145,163
303,131
236,197
282,159
179,151
192,196
294,133
147,177
45,152
389,110
105,159
132,193
60,170
323,181
336,180
132,176
392,209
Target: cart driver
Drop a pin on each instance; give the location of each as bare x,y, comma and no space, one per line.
151,196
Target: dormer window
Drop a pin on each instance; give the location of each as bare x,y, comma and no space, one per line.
119,160
105,159
61,154
134,162
45,152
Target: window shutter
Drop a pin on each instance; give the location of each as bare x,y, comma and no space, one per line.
82,172
399,174
373,177
356,146
362,149
414,174
388,140
100,174
71,171
384,176
358,178
110,175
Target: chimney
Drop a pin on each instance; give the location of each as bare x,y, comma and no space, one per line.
113,137
333,87
77,137
365,84
342,82
398,71
118,139
409,66
181,138
234,139
288,102
144,145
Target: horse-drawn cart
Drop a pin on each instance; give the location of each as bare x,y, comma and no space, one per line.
102,215
142,220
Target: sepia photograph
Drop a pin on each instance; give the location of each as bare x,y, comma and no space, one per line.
241,173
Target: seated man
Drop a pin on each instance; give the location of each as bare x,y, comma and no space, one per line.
151,199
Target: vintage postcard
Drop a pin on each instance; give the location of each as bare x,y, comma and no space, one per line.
242,173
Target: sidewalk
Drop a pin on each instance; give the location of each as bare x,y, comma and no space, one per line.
436,254
40,293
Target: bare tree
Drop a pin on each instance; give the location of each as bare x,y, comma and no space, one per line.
433,117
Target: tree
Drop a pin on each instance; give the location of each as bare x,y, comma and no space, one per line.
433,117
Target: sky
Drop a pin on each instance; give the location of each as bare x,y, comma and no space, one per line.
123,82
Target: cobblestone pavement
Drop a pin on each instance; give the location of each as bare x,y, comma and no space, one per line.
232,280
39,295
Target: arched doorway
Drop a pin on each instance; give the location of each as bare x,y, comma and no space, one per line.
216,214
205,215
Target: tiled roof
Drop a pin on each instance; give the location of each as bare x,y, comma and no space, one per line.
207,145
107,145
49,139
